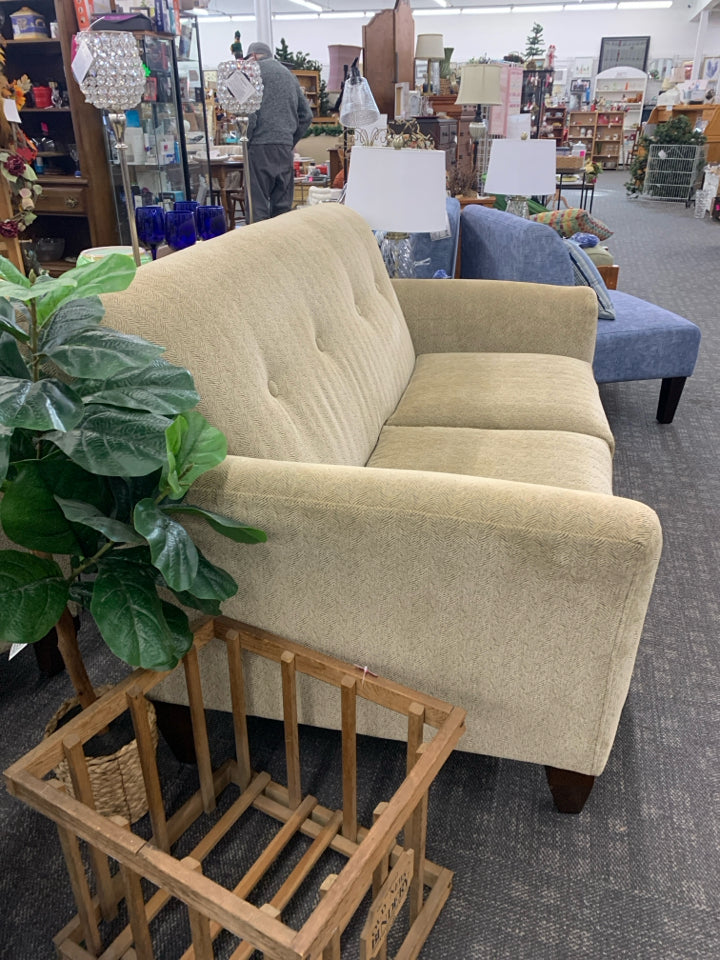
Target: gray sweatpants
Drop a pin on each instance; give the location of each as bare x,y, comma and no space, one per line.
271,179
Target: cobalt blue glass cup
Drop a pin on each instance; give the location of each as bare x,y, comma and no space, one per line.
186,205
210,221
180,229
150,222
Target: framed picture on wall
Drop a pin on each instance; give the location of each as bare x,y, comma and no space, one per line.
710,69
583,67
624,52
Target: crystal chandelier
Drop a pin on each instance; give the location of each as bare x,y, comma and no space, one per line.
109,71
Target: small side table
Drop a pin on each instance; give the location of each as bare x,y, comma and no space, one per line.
485,201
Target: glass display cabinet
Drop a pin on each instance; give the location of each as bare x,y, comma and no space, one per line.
195,110
155,135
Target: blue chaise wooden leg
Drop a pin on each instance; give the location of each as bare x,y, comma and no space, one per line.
670,391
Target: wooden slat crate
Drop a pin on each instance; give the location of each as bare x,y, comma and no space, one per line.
396,873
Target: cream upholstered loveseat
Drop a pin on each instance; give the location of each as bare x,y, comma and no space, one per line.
432,465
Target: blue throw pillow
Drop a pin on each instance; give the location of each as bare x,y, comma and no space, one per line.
587,275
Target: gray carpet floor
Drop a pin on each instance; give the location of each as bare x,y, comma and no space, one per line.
637,874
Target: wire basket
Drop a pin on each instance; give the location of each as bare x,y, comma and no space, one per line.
674,171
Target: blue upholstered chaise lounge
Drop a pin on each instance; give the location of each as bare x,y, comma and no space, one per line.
644,342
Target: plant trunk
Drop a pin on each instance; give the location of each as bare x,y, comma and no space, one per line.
70,651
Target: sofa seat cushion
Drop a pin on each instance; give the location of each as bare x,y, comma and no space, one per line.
573,461
644,342
503,391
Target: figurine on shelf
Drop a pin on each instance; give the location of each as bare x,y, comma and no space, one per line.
55,95
550,57
236,47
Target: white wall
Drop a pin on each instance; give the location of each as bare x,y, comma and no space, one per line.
574,34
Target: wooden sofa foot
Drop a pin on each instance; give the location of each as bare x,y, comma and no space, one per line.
569,789
175,725
670,390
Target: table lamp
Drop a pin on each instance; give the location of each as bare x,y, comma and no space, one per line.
400,191
109,71
240,93
430,47
521,169
480,86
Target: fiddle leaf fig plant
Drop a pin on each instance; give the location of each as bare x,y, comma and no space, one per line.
99,449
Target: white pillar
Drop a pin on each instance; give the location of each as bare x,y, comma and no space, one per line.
263,21
699,45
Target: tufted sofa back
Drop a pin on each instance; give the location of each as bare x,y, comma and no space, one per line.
291,329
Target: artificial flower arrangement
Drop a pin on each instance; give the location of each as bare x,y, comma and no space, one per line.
22,182
17,153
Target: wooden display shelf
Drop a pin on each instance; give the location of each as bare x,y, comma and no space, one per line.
375,862
710,113
30,40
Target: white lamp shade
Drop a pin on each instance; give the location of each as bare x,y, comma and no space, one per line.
341,54
398,190
521,168
429,46
480,83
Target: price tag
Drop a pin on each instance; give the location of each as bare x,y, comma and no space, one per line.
240,87
81,63
11,110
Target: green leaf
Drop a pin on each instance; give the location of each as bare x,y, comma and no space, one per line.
73,316
127,491
211,582
45,405
133,621
79,512
160,388
8,271
5,438
193,448
171,547
210,607
15,290
100,352
30,513
81,592
110,441
11,360
33,596
8,322
110,274
228,527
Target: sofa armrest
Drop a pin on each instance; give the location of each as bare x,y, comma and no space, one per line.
499,316
522,603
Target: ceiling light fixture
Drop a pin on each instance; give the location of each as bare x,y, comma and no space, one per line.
538,8
645,5
309,5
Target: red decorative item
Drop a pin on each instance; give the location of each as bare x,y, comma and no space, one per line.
42,97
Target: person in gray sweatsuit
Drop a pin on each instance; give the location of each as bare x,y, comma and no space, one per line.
283,119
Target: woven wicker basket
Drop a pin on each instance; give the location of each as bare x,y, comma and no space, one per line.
116,779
